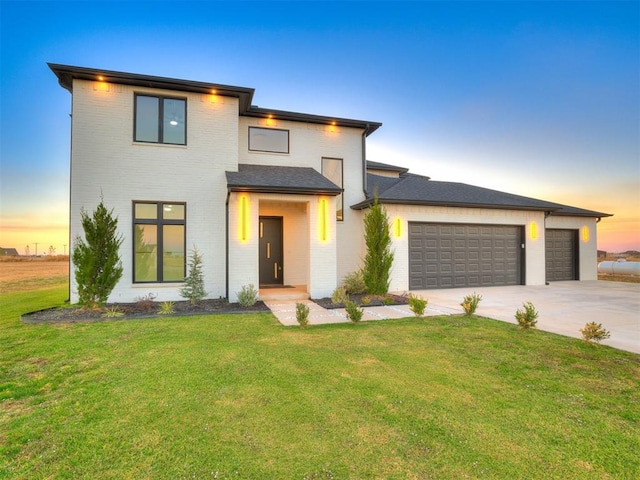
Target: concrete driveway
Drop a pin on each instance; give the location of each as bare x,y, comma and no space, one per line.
564,307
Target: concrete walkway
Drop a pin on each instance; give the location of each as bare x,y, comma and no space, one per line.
564,308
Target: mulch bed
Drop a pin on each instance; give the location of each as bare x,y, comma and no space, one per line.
365,301
138,310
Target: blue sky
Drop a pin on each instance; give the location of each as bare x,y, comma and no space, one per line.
536,98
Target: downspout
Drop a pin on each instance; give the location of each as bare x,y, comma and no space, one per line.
364,161
226,243
546,214
70,186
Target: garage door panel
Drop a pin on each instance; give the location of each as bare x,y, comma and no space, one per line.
561,255
460,255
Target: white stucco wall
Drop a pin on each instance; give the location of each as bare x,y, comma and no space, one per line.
587,242
106,160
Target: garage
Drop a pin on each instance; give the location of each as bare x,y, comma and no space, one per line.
561,255
445,255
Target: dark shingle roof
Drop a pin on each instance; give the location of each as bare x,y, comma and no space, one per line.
277,179
385,166
410,189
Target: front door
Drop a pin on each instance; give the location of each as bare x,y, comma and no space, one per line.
270,231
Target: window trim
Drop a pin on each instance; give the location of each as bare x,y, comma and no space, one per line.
339,197
251,127
161,99
159,222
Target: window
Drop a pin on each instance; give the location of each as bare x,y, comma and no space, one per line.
160,120
268,140
332,169
159,240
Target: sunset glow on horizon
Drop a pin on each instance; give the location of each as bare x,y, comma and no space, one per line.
540,99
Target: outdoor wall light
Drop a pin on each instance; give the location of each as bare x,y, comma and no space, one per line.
243,224
323,219
533,230
585,234
397,227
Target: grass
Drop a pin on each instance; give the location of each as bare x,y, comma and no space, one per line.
239,396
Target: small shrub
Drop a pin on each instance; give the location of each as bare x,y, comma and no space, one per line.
594,333
166,308
302,314
112,312
417,304
388,300
248,296
354,312
193,289
527,317
354,284
340,296
146,302
366,300
470,303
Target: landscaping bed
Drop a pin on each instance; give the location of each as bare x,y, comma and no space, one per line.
365,300
137,310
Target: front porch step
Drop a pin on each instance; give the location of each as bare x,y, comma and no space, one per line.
298,292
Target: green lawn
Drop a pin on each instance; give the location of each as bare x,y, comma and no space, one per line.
239,396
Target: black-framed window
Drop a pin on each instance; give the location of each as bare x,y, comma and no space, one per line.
332,169
159,237
273,140
160,120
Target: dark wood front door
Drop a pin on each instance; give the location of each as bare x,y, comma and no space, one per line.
270,231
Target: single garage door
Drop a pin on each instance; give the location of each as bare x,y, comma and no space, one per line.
445,255
561,254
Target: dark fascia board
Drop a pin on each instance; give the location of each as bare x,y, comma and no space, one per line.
369,201
66,74
258,112
285,190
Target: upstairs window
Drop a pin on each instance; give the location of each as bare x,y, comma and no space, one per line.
268,140
332,169
160,120
159,241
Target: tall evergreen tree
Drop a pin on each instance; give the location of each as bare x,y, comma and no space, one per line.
96,259
379,257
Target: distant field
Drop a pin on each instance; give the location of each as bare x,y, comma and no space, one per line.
32,273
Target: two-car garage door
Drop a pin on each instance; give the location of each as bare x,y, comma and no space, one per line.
444,255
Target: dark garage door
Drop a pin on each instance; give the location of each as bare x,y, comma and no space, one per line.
560,253
445,255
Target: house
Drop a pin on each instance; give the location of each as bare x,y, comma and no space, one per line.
277,198
9,252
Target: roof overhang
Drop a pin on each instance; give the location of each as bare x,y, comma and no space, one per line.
66,74
370,201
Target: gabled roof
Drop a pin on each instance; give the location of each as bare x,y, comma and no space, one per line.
410,189
67,73
275,179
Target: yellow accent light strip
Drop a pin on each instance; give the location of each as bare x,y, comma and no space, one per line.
533,230
324,219
585,234
244,218
397,227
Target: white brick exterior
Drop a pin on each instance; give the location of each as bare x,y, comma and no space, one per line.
106,161
587,242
